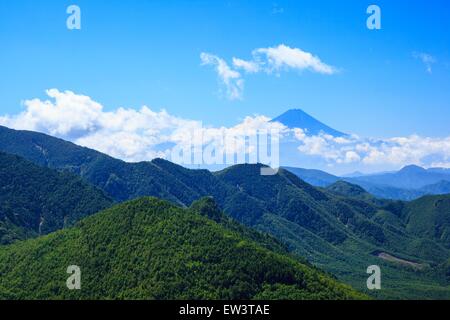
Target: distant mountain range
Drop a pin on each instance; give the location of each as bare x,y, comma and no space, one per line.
341,229
409,183
410,177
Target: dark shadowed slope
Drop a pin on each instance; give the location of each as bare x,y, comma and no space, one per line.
430,216
36,200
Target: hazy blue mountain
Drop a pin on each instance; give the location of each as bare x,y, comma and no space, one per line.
401,185
410,177
382,191
440,170
297,118
442,187
353,174
323,179
384,185
317,178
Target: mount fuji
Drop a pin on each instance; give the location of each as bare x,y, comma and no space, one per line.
297,118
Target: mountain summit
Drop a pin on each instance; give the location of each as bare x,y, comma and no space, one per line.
297,118
412,169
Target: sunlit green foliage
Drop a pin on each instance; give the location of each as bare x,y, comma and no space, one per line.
151,249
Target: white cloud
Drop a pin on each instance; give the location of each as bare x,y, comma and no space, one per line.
427,59
284,57
128,134
268,60
136,135
248,66
351,156
397,151
232,79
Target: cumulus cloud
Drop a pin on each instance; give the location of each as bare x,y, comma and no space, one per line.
268,60
397,151
284,57
247,66
144,134
230,78
128,134
427,59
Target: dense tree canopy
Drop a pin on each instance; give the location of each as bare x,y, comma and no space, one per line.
151,249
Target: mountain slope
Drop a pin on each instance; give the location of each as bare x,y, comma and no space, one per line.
334,218
346,189
297,118
337,233
118,179
381,185
429,215
317,178
441,187
383,191
410,177
150,249
36,200
123,181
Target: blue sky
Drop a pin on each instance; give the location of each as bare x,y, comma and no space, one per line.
131,53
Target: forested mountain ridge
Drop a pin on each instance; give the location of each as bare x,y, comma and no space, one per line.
151,249
35,200
118,179
339,233
430,216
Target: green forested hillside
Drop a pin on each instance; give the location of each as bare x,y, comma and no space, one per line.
343,235
36,200
429,216
346,189
336,230
151,249
119,180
